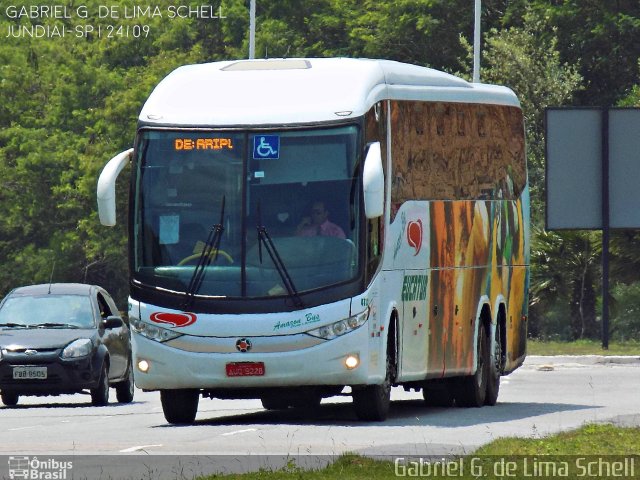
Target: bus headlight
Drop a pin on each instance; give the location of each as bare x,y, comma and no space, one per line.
152,332
340,327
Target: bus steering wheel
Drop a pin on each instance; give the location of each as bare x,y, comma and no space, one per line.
196,256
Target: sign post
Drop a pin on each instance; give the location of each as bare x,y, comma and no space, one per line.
476,41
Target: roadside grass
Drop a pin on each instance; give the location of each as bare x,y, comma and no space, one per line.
582,347
592,443
592,439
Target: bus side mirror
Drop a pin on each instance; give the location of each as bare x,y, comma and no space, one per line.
373,182
107,187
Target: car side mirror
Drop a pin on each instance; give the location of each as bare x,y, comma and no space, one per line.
373,182
107,187
112,322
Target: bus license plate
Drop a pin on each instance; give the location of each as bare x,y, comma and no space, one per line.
245,369
29,373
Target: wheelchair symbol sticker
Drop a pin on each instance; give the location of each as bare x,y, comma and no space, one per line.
266,147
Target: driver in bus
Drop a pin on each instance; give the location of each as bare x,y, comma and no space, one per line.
318,224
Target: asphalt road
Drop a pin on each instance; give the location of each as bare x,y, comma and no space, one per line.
546,395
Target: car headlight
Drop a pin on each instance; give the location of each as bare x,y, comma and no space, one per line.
152,332
78,348
340,327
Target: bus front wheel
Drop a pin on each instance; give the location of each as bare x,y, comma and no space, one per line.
179,406
372,402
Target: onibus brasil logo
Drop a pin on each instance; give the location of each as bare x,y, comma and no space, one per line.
32,468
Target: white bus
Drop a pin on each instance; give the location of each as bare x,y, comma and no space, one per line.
304,228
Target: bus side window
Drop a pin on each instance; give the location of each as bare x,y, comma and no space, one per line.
374,245
376,131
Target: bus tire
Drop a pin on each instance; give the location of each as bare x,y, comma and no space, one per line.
495,370
372,402
275,403
472,390
179,406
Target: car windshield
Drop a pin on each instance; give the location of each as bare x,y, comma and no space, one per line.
233,214
47,311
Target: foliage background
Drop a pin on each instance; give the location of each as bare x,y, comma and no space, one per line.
69,104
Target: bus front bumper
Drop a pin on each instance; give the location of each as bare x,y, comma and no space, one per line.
322,364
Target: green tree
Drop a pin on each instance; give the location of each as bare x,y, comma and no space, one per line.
601,36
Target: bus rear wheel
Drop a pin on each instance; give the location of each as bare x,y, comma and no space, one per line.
179,406
472,390
496,366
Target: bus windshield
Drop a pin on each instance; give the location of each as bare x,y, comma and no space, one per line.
278,204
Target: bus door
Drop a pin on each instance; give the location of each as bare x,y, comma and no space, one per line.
414,325
411,256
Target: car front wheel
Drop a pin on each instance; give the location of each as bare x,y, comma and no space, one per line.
126,388
100,394
10,399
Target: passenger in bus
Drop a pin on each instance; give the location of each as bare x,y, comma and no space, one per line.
318,224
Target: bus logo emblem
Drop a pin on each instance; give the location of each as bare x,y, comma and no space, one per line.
243,345
266,147
414,235
174,319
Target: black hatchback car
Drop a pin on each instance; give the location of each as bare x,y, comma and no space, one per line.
63,338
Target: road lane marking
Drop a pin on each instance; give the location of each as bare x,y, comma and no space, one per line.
23,428
138,448
239,431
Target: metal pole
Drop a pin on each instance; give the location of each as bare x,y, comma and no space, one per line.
605,229
476,43
252,29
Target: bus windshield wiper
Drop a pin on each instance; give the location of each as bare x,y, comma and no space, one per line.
208,255
54,325
13,325
263,237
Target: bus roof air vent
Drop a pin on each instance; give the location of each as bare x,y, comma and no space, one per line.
276,64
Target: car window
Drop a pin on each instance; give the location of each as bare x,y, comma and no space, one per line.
36,310
112,304
105,309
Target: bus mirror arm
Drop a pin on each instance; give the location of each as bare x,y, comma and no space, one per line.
107,187
373,182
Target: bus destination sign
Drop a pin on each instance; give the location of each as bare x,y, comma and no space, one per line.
187,144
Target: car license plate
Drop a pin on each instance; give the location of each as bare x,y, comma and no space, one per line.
245,369
29,373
